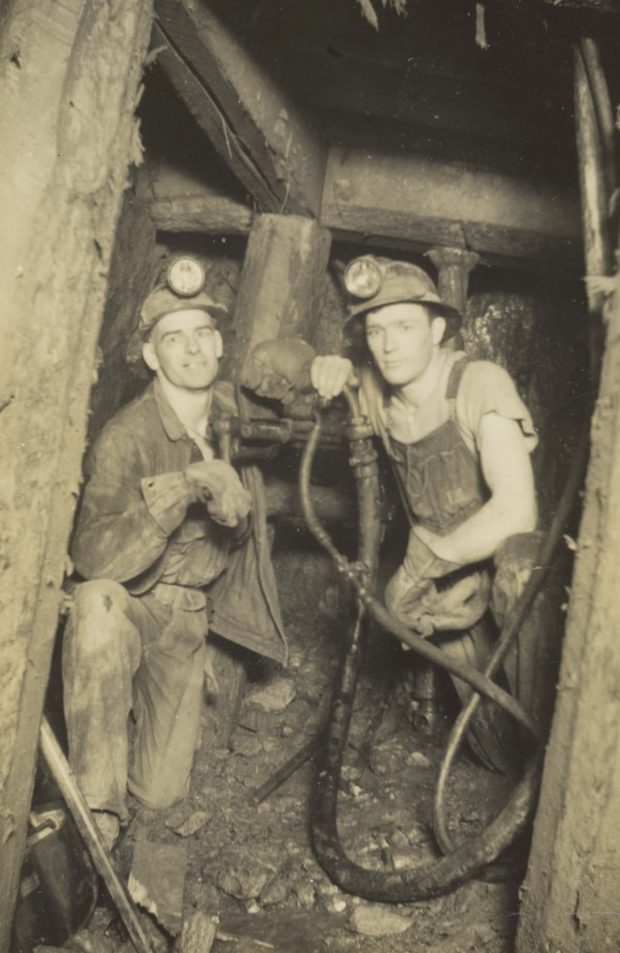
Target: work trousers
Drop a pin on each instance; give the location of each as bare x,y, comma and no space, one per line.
524,665
124,655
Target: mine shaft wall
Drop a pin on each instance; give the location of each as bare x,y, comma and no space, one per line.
570,895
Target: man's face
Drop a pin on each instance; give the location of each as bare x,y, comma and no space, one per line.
185,348
401,338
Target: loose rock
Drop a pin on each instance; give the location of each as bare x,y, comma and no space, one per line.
275,892
191,824
305,895
241,876
275,696
246,743
375,921
386,758
198,935
205,896
418,759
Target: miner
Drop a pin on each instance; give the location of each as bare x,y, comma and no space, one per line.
459,439
170,540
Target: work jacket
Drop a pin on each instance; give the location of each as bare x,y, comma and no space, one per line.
138,526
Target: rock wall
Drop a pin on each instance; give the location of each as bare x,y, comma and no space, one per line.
70,76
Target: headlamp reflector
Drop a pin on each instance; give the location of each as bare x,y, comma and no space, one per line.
186,277
363,277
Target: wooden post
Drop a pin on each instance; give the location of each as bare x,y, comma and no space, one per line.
594,204
570,895
281,281
251,121
70,77
453,269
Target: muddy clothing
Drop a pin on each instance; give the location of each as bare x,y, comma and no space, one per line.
434,453
436,461
136,637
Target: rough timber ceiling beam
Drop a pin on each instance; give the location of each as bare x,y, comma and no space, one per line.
179,201
411,199
396,200
250,121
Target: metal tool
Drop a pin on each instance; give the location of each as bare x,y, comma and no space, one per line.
61,772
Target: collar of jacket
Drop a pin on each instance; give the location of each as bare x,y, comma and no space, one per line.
223,400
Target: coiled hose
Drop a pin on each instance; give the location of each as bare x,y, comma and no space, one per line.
467,860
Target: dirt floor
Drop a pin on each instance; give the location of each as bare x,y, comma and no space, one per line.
253,866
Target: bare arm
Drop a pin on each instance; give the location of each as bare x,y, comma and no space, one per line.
507,471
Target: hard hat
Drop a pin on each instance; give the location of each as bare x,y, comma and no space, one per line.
373,282
182,291
163,301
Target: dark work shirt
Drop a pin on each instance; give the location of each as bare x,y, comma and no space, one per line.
138,524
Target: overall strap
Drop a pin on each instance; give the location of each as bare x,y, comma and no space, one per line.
402,493
454,382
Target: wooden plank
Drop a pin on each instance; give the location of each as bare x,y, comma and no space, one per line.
281,282
424,202
251,122
207,214
180,200
67,138
570,894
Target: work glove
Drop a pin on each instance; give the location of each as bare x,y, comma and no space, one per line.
216,484
423,596
278,369
457,605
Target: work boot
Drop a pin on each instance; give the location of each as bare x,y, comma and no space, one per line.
109,827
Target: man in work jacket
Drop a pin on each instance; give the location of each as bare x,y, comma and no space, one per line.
459,439
165,532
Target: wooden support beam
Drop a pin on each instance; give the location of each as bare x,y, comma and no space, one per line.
454,266
207,214
570,895
70,77
281,284
422,202
251,122
453,269
180,200
595,202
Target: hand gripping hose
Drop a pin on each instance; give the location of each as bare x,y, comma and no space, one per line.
466,861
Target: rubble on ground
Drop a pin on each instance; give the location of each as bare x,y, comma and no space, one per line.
254,867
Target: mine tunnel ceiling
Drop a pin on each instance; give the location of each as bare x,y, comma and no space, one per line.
477,109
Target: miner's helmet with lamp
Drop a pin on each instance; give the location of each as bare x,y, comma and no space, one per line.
183,290
373,282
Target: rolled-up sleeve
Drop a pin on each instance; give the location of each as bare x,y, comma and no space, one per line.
125,518
488,388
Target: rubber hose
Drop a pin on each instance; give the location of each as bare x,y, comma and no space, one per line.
441,875
548,550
